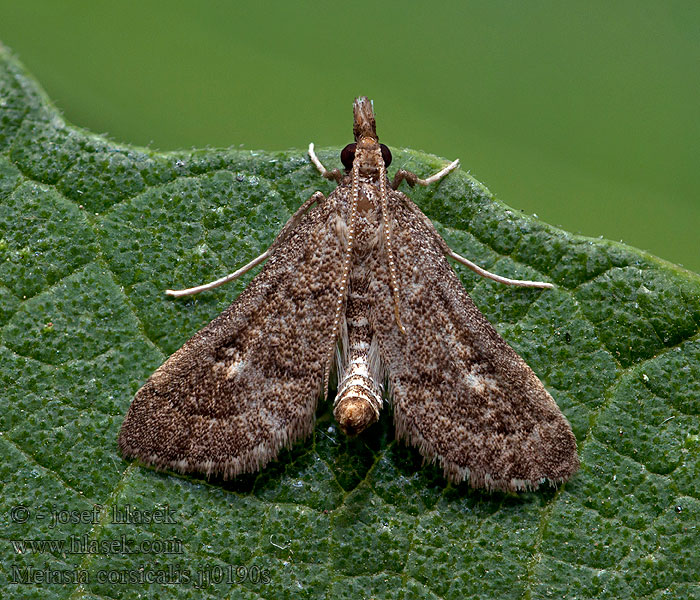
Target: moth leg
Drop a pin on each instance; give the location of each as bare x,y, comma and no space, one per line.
484,273
334,174
447,251
291,225
413,179
281,236
214,284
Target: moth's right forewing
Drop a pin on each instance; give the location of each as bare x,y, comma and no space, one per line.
247,384
460,393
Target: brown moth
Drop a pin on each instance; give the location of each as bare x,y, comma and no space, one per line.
358,281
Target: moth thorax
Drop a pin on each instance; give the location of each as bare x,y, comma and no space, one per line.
359,398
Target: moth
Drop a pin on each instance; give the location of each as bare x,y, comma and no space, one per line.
358,282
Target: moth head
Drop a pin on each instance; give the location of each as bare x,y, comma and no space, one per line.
347,155
366,148
364,125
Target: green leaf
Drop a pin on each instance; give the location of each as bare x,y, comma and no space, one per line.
92,232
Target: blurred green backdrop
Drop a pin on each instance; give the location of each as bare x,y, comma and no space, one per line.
586,113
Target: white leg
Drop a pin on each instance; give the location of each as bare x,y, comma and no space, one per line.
446,249
214,284
439,175
484,273
335,174
281,237
413,179
317,163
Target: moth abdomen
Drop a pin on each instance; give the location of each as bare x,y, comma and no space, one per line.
359,397
360,388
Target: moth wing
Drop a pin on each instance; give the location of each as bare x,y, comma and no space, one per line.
461,394
247,384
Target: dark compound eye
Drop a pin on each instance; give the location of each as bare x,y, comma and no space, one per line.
347,155
386,154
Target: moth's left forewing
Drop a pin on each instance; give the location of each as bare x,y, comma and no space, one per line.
247,384
460,393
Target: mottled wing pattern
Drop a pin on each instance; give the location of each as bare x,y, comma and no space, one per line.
247,384
460,393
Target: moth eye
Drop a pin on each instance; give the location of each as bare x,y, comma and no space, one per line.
386,154
347,156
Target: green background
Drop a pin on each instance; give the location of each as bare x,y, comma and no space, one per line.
584,113
92,232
